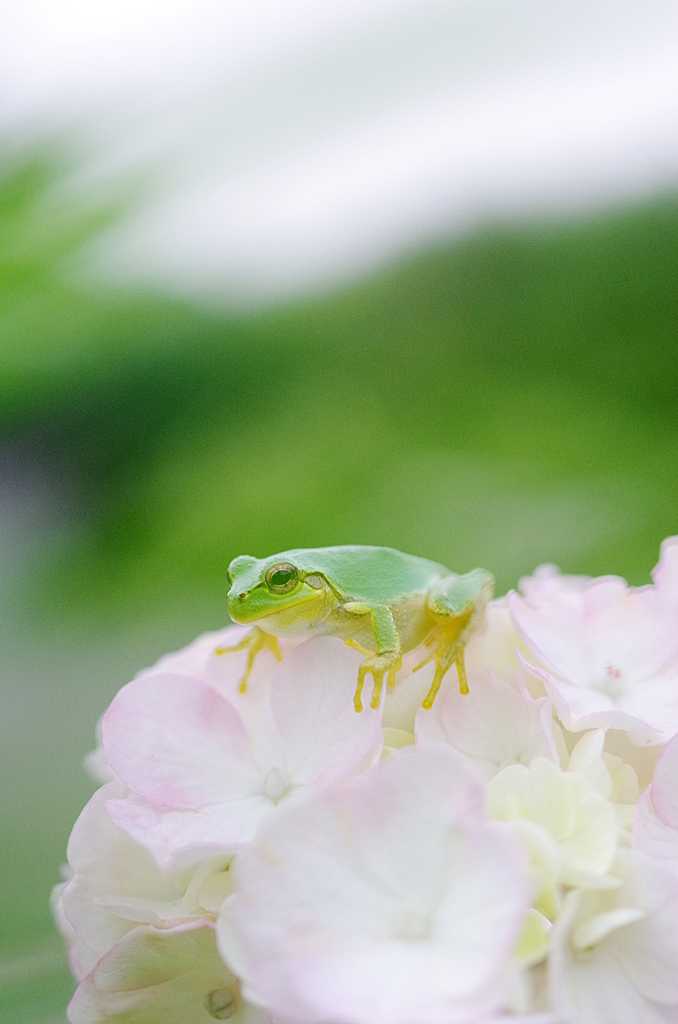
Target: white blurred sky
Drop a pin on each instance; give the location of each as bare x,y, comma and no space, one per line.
298,142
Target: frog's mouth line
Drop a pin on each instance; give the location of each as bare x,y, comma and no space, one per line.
254,614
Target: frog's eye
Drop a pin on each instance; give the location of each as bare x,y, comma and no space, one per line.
282,578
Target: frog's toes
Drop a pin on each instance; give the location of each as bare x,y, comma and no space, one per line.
445,655
357,697
378,687
392,672
376,665
253,642
378,677
350,642
442,666
426,661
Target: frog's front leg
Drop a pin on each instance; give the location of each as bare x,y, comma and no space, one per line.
456,603
387,657
254,641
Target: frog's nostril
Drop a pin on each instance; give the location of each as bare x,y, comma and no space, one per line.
242,596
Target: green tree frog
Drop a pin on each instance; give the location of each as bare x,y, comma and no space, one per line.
379,600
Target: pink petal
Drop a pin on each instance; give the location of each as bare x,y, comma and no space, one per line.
179,838
665,573
625,627
156,977
552,629
665,785
332,894
494,724
655,701
580,709
599,633
653,836
178,743
312,702
194,659
648,950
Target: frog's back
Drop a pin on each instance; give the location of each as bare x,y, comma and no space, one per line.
370,573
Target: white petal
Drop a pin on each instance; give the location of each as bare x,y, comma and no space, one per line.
630,971
565,805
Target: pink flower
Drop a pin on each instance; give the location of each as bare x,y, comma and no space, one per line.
155,977
493,725
655,828
387,900
224,672
493,647
203,775
608,652
116,885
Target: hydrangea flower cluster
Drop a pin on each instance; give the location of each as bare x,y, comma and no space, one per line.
509,855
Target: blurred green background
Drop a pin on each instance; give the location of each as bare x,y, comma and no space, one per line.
503,400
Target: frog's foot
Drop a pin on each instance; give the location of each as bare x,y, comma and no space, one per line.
447,652
456,604
253,642
376,665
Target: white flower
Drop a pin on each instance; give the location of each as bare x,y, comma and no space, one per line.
202,777
609,651
568,829
116,885
615,952
386,900
614,779
155,977
493,725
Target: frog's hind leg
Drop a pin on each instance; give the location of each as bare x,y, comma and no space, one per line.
456,604
253,642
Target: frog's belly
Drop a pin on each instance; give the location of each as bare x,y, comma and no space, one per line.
412,620
410,616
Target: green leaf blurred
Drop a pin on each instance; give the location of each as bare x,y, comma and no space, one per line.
504,400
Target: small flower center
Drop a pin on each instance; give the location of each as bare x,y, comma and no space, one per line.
412,924
275,785
612,683
221,1003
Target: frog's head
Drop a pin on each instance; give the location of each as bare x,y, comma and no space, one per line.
278,590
